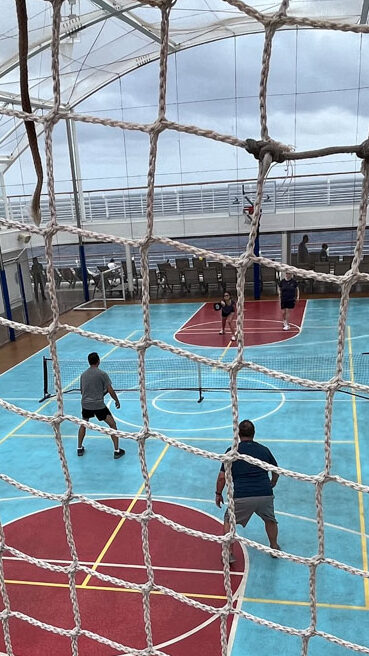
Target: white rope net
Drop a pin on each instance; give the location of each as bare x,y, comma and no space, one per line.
266,151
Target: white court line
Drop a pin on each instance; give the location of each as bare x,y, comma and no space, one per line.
20,398
187,430
319,341
87,563
212,399
245,332
178,500
201,305
186,439
314,521
198,328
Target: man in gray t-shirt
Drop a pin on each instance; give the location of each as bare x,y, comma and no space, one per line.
94,384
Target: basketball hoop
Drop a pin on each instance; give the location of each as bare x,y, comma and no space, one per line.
248,212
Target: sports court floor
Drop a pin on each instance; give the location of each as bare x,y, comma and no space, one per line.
290,424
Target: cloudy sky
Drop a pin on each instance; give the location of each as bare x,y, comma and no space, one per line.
318,95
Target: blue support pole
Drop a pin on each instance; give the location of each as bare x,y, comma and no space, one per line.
82,259
7,306
23,293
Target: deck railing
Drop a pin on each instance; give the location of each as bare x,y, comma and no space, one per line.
217,198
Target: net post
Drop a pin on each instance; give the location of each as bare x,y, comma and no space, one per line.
201,398
129,270
46,387
123,282
103,290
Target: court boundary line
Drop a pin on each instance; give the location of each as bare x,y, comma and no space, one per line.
174,500
159,568
281,342
364,549
192,595
184,439
201,305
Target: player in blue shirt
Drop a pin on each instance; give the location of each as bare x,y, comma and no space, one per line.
253,489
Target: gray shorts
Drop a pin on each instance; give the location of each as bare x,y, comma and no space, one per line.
247,506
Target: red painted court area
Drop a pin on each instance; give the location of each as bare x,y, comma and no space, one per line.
186,564
262,325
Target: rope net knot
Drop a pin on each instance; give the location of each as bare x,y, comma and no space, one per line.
259,149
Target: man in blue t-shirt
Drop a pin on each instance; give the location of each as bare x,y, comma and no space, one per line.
253,489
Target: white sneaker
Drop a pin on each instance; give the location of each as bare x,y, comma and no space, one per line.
221,332
286,326
233,338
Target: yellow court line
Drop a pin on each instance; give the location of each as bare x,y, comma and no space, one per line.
121,521
190,595
364,548
44,405
286,602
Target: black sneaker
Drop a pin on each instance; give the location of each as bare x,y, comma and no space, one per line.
119,454
277,548
80,451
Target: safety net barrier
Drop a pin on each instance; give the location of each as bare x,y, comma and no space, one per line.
266,151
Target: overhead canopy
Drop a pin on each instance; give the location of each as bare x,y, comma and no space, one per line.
101,40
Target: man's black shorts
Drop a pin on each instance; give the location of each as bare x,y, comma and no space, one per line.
100,414
287,305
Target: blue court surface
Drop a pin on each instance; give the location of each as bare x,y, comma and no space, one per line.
291,424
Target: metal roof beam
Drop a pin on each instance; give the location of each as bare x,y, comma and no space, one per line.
67,29
111,7
364,12
20,148
15,99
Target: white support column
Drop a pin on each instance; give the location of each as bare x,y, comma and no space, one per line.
4,196
129,269
78,198
78,178
286,248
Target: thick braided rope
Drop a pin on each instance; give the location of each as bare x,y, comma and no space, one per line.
265,151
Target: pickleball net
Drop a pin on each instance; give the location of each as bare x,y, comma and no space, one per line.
270,374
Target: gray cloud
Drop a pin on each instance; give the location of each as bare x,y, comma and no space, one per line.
312,101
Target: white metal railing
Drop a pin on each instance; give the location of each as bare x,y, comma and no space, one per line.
190,200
